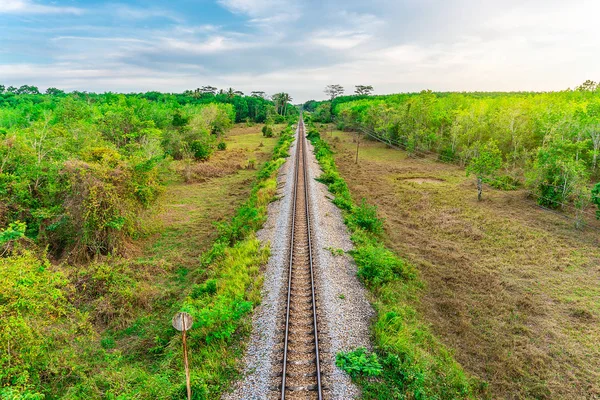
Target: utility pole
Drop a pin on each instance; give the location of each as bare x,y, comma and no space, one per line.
357,144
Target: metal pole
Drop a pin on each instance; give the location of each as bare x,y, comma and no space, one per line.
185,363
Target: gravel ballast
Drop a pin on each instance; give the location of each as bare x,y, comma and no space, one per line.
344,311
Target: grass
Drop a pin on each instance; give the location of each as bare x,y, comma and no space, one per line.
510,288
409,361
200,255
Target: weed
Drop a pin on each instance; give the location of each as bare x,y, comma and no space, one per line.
335,252
359,363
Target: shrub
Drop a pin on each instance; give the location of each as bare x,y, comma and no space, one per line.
505,182
222,146
378,265
12,234
201,150
596,198
40,330
267,131
359,363
365,217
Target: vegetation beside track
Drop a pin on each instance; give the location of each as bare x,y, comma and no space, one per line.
508,286
414,363
102,329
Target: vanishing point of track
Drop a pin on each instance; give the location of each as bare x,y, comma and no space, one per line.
301,374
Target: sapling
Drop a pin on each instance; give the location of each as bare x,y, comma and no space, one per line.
485,165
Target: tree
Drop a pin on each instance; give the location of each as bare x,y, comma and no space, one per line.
363,90
231,93
26,89
557,172
54,92
590,121
259,93
208,90
11,89
281,101
596,198
485,164
2,88
334,91
588,86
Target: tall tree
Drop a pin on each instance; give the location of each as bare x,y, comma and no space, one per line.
208,90
334,91
281,101
588,86
54,92
258,93
363,90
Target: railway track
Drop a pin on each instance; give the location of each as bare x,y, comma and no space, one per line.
301,376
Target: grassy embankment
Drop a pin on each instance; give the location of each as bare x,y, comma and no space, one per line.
510,288
410,362
112,317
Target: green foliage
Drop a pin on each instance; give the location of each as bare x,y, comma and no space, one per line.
365,217
596,198
222,146
486,162
14,231
378,265
267,131
557,173
78,169
359,363
201,150
548,141
504,182
53,351
40,330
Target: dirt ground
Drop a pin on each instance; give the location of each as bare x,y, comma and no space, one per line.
513,289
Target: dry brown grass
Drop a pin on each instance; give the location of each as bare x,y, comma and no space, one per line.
513,289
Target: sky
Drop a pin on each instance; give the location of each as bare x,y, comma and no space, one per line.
299,46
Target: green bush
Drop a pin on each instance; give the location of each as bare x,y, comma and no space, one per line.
504,182
596,198
201,150
267,131
222,146
378,265
365,217
358,363
40,330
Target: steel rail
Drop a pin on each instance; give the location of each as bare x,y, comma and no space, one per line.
301,147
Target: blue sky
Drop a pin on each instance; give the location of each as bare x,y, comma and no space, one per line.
299,46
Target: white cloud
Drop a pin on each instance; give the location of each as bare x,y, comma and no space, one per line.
339,40
31,7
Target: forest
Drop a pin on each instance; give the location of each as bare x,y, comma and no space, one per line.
548,143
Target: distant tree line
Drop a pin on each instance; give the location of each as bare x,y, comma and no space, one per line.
546,142
257,107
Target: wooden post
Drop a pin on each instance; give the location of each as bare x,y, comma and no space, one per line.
182,322
185,363
357,143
